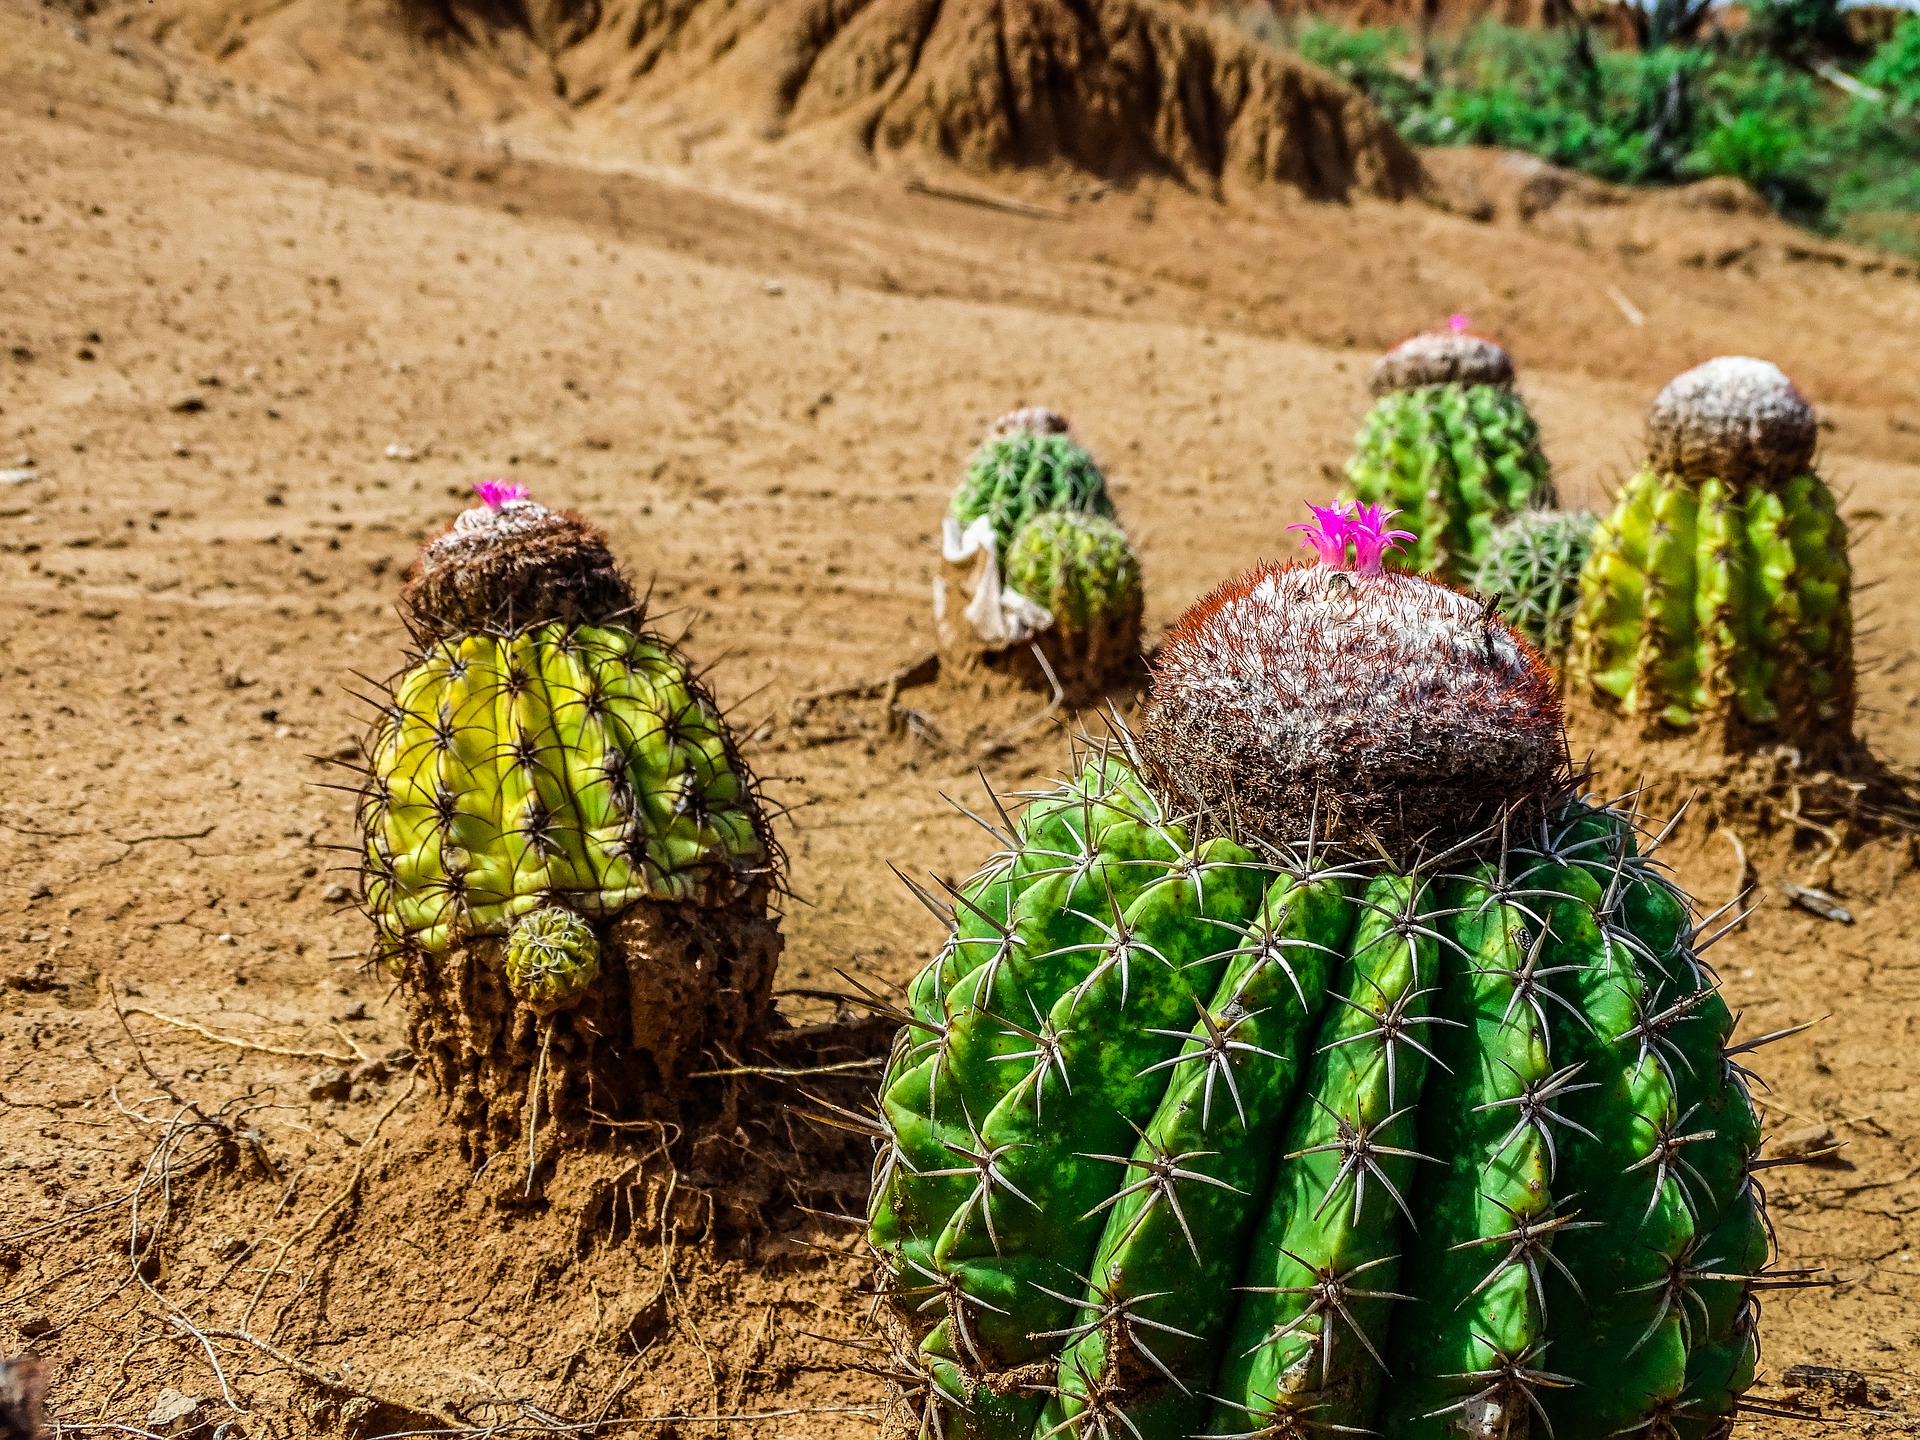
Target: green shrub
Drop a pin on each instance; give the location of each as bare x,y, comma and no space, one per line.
1749,107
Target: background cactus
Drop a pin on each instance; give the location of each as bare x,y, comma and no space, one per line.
1031,541
1451,444
1028,464
1082,569
1719,589
1293,1069
1532,570
564,857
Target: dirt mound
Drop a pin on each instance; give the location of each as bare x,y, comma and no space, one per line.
1113,89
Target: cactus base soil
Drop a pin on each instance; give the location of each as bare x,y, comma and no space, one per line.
1747,780
681,989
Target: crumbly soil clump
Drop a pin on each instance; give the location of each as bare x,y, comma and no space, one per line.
680,986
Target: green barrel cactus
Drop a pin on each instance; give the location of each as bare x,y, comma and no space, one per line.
1719,591
1533,570
1450,443
563,854
1317,1061
1027,465
1081,568
1031,539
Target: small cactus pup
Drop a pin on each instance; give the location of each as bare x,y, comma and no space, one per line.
1718,597
1030,539
564,856
1450,443
1317,1061
1532,572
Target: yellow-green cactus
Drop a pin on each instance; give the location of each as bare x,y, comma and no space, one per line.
578,765
1719,588
563,854
552,957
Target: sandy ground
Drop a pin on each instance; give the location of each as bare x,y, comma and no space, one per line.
250,370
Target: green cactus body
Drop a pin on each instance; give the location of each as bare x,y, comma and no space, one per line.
552,957
1532,568
1203,1139
1704,598
1020,474
1080,566
569,764
1719,588
1457,460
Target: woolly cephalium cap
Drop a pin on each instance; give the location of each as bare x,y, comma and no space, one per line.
1367,707
1734,419
508,563
1441,357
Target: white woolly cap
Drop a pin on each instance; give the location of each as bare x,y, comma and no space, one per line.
1734,418
1441,357
1031,420
1384,703
494,522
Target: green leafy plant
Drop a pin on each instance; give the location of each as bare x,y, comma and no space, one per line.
1834,159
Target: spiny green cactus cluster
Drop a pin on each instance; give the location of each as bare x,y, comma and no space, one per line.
1029,465
1079,566
1719,588
1197,1133
1452,446
1533,570
568,764
1058,577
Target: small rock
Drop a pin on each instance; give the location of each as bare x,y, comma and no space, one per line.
229,940
356,1011
35,1323
1849,1387
405,454
772,287
18,474
40,890
336,894
189,405
1807,1140
174,1413
359,1094
329,1085
369,1072
227,1247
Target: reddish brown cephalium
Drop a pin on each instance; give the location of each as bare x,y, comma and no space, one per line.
1382,708
1441,357
499,568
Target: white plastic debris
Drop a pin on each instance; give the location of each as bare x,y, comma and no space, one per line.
1001,617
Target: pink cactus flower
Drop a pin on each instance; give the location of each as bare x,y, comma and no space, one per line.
495,493
1459,323
1367,529
1327,533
